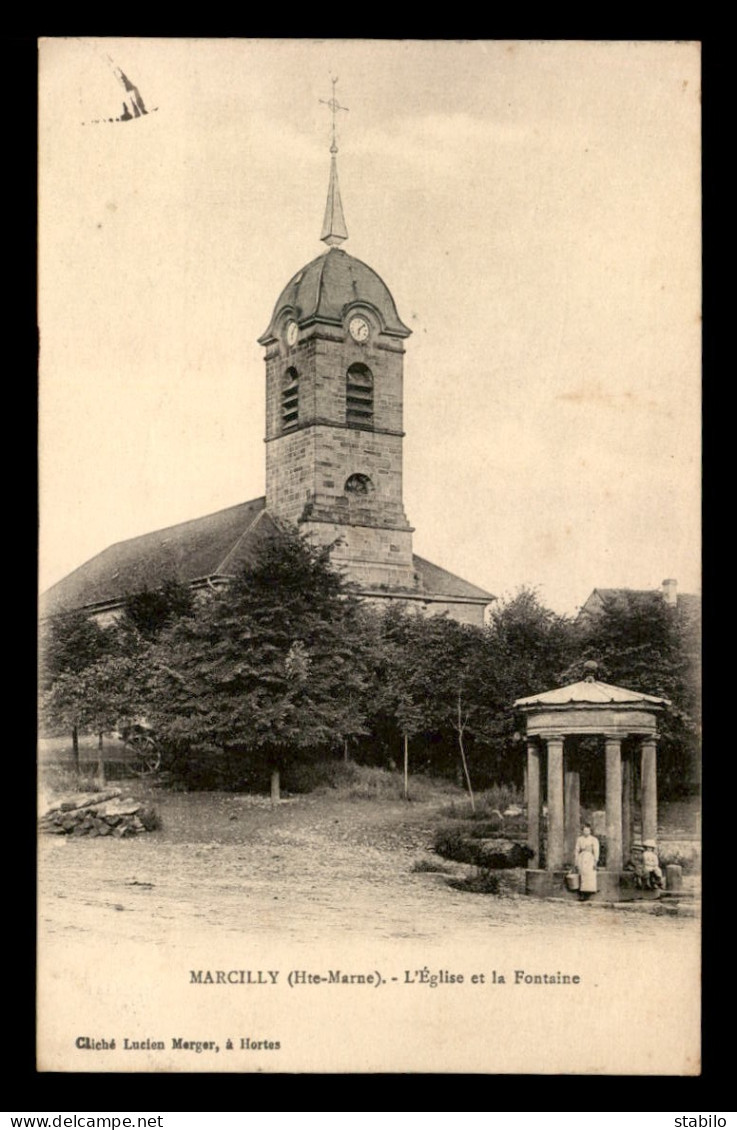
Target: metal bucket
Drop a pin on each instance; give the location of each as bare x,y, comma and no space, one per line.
573,881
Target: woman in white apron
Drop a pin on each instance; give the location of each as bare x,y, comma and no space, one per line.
586,859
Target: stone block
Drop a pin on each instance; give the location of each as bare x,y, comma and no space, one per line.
673,877
542,884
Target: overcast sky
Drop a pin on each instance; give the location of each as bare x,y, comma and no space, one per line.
534,209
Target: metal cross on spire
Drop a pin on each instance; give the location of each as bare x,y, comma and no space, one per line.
334,230
334,105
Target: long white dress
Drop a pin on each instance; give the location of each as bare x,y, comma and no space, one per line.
586,859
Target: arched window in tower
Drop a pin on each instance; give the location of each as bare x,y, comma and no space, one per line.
358,484
359,395
290,398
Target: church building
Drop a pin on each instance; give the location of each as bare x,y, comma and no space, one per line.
334,354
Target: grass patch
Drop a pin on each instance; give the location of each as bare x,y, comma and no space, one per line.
493,800
150,818
430,867
452,842
484,830
372,783
686,855
479,882
457,842
316,776
352,781
57,779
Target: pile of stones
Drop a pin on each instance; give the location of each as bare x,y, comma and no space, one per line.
98,814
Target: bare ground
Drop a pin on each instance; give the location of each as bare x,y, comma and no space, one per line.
312,869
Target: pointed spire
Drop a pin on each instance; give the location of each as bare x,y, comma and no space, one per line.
334,230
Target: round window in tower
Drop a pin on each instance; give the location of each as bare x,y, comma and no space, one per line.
358,484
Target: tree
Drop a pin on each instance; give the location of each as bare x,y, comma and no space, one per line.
426,683
68,644
447,675
152,610
642,643
100,685
98,698
528,648
391,695
267,667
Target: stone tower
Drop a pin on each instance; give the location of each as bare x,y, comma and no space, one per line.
334,403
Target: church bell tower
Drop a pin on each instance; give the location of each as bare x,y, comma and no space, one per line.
334,352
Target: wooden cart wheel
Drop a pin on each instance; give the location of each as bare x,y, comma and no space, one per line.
147,755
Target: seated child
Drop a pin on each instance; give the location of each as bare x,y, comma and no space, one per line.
652,875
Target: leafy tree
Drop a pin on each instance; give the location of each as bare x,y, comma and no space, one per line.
642,643
528,648
98,698
152,610
444,674
394,710
427,684
93,678
267,667
69,643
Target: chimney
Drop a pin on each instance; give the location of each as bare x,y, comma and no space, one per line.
670,592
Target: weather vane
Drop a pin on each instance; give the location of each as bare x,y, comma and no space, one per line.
334,105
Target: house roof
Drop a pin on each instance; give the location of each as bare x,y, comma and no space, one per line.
624,594
621,598
327,287
205,548
589,691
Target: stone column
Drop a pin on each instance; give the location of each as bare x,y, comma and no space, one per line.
554,860
613,753
628,811
649,789
532,780
572,808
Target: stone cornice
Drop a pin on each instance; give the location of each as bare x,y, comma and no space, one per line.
345,520
330,331
422,597
322,422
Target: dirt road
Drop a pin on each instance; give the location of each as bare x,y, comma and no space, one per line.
312,869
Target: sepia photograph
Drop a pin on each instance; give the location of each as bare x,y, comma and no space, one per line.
370,556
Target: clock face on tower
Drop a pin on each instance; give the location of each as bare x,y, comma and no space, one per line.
292,333
358,328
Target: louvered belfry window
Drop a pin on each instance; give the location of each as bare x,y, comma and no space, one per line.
290,398
359,395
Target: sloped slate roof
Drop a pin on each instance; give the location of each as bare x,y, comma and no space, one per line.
327,286
213,546
625,594
204,547
589,691
440,582
621,598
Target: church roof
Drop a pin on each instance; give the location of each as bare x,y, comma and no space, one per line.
589,691
327,287
440,582
204,548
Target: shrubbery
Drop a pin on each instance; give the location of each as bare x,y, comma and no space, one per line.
285,667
